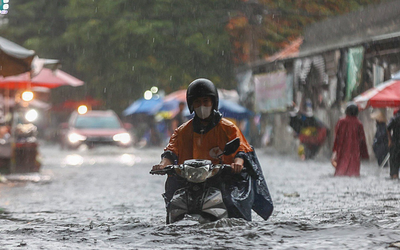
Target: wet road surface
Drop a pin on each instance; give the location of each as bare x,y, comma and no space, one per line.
105,198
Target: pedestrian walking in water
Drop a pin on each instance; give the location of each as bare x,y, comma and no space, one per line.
310,131
349,146
393,129
380,144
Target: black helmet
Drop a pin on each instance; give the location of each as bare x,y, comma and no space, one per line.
199,88
351,109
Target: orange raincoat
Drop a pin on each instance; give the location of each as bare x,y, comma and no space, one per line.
192,141
187,145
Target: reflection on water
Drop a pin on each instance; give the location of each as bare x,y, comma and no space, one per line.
128,159
73,160
100,155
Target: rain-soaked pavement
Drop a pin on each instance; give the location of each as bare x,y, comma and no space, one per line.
105,198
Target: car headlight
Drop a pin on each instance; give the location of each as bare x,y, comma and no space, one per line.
199,174
74,137
123,138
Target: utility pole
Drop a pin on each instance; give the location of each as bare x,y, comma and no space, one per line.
253,11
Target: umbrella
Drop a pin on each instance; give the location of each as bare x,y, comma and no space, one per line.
14,59
170,105
179,96
227,105
46,78
229,109
300,121
387,94
143,106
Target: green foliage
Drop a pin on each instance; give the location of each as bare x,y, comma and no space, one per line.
121,48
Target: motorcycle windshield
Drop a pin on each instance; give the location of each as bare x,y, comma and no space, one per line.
196,175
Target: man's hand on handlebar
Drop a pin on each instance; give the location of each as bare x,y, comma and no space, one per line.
163,163
237,165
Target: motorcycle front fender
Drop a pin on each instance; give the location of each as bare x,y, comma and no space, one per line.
211,205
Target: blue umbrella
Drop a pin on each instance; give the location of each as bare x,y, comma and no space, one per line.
171,105
143,106
233,110
229,109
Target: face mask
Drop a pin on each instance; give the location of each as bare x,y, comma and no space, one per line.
203,112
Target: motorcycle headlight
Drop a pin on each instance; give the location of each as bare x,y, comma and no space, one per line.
199,174
74,137
123,138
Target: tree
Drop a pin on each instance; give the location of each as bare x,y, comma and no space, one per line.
120,48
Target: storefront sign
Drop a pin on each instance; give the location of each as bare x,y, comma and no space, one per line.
273,91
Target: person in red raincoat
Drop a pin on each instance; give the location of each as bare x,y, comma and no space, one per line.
349,146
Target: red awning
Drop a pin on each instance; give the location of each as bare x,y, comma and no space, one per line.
46,78
387,94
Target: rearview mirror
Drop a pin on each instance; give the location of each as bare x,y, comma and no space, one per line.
231,146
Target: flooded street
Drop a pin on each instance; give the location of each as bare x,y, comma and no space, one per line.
105,198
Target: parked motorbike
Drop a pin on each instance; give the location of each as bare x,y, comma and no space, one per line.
201,196
19,145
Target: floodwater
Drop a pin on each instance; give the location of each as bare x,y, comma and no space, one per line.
105,198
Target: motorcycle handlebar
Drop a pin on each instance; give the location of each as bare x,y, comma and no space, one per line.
170,169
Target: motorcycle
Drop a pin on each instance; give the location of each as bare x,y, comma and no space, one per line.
201,197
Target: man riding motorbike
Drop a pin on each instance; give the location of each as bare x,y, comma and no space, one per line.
204,137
